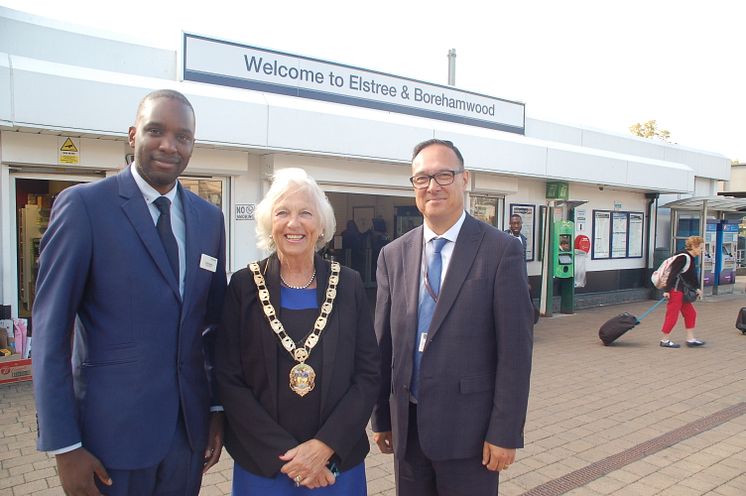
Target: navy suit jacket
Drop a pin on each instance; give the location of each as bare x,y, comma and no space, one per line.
475,369
118,354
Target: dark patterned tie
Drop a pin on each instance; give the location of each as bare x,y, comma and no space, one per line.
427,307
167,233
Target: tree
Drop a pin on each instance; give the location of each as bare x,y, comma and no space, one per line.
650,130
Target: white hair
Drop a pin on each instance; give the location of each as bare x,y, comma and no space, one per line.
286,182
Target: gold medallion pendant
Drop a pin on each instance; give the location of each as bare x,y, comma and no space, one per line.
302,379
302,376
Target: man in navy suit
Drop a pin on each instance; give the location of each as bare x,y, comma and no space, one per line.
131,273
455,388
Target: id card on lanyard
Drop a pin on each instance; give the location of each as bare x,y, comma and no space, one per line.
430,294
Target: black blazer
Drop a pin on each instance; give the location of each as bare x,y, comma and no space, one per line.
246,365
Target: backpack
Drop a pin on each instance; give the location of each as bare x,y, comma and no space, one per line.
660,276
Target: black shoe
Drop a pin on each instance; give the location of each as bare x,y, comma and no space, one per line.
695,343
670,344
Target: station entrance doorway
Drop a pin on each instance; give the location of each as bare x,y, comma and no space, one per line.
365,224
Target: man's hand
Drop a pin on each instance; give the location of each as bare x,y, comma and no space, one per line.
385,441
77,469
306,461
214,441
495,458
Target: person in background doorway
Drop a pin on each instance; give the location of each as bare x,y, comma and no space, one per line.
131,274
297,361
677,279
516,224
455,340
352,240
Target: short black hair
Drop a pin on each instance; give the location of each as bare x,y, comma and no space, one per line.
165,93
448,144
516,215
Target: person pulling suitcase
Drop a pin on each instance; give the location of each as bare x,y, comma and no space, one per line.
681,289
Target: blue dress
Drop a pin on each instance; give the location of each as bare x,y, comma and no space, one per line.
298,305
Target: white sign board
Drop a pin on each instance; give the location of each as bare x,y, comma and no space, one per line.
244,211
214,61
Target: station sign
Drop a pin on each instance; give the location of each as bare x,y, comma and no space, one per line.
209,60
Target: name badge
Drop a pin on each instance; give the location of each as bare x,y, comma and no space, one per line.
208,263
423,340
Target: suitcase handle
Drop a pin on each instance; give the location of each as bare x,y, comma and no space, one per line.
647,312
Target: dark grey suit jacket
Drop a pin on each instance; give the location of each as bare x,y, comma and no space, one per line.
474,376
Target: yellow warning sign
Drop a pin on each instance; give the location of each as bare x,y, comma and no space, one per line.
69,151
68,146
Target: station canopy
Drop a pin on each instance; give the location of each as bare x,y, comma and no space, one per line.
719,203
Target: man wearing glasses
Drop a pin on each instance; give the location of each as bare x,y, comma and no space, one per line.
455,338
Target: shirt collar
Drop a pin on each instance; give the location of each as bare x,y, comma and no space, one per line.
148,192
451,234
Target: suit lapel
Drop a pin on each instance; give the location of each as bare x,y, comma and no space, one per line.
412,265
269,339
464,252
136,210
330,335
192,244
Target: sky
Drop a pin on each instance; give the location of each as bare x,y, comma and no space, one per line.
601,64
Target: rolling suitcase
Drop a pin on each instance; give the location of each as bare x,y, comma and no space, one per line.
618,325
741,320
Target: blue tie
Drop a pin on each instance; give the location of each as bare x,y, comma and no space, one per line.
427,307
163,225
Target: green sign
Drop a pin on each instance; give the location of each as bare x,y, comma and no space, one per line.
558,191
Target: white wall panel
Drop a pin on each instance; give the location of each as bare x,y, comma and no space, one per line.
499,152
219,162
302,130
35,37
569,165
238,121
708,165
6,110
630,145
493,183
551,131
661,178
357,172
246,188
58,96
23,148
103,153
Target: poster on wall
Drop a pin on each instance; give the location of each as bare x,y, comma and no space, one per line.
619,235
601,232
635,234
580,220
484,208
528,215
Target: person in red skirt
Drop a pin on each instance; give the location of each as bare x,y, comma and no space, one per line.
683,272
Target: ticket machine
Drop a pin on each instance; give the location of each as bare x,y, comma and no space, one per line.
725,263
563,252
709,255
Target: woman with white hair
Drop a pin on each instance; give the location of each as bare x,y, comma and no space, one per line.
297,360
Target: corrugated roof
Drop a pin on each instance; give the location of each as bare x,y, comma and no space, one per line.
721,203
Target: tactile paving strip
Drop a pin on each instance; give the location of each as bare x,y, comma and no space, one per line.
611,463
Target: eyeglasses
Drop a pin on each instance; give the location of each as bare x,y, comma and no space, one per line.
443,178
